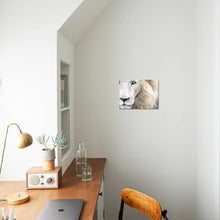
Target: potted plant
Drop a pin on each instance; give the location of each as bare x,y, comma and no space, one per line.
48,156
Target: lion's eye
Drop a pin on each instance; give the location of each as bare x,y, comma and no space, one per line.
133,83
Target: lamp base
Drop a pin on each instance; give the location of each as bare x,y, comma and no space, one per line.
18,198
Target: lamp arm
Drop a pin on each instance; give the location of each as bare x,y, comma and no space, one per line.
5,142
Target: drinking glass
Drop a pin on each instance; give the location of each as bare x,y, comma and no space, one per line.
87,173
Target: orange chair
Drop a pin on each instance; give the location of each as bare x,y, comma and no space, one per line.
141,202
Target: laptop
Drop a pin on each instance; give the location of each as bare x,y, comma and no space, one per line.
62,209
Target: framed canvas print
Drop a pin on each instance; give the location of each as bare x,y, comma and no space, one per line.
139,94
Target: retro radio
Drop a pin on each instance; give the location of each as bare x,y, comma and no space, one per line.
37,178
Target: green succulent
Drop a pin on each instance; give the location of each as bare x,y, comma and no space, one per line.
43,140
60,141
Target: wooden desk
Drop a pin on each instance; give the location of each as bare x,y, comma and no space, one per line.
72,188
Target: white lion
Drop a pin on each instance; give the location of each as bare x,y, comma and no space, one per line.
138,94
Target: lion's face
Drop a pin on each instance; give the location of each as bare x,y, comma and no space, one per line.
128,90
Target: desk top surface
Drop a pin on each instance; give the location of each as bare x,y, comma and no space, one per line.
72,188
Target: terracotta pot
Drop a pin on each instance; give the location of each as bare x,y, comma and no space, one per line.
48,157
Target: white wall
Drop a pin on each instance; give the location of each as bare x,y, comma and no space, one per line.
208,109
28,74
153,151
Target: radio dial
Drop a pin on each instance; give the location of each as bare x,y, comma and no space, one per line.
50,180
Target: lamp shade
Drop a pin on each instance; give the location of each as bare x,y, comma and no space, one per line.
24,140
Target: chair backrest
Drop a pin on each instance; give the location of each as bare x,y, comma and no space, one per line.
142,202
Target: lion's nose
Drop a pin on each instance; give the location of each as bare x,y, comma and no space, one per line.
124,99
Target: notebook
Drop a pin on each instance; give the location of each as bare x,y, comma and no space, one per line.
60,209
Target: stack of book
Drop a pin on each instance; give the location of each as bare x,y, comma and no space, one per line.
64,91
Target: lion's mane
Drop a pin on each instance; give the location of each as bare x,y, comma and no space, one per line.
147,98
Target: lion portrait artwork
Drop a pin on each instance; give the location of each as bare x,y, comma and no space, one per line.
138,94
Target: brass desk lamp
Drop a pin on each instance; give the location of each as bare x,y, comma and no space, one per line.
23,140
